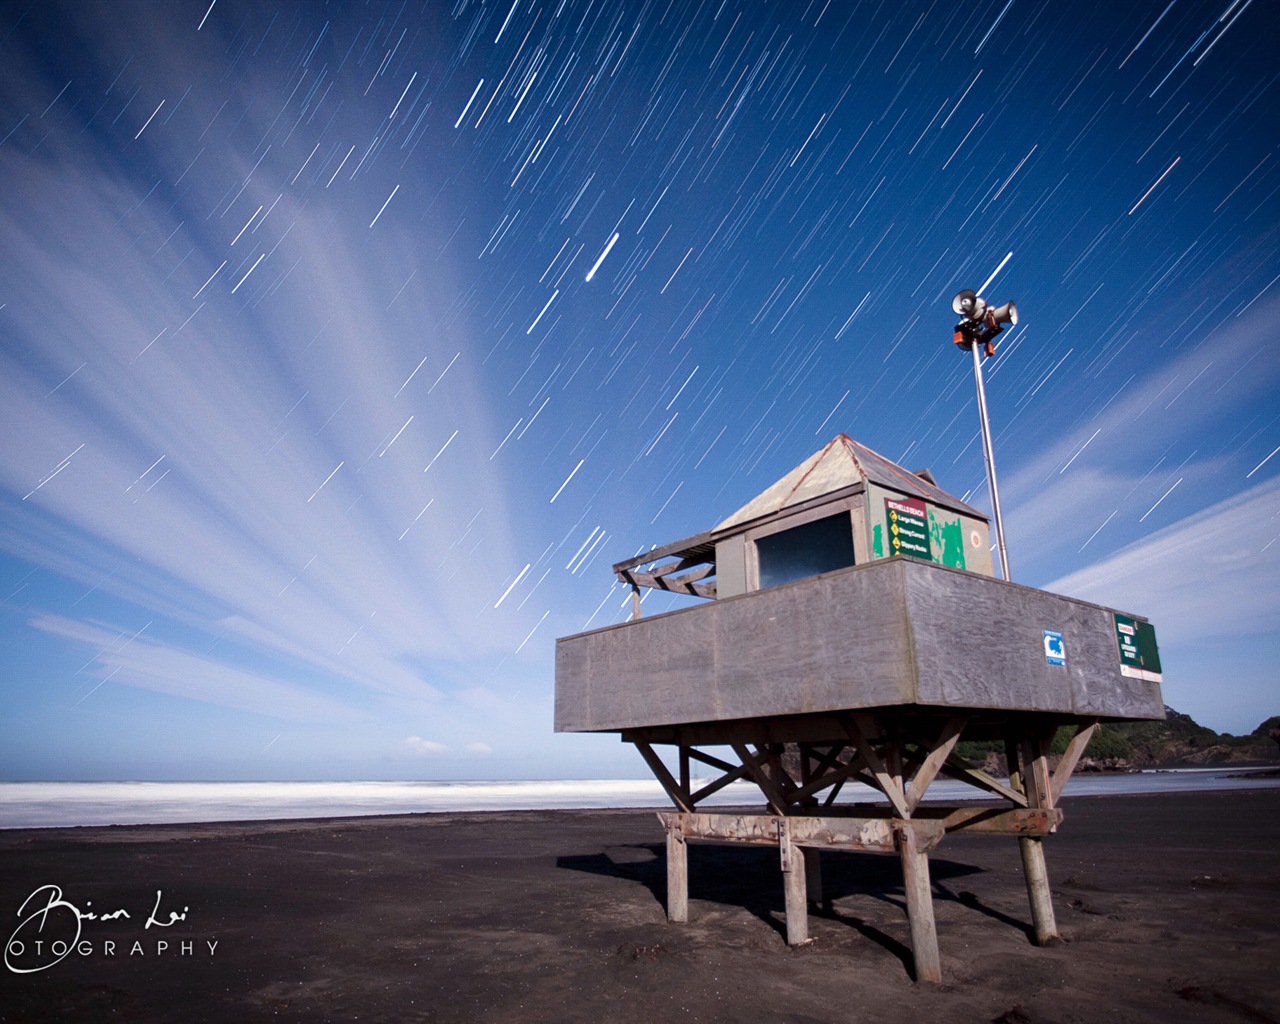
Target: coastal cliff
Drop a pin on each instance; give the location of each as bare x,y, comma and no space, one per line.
1177,742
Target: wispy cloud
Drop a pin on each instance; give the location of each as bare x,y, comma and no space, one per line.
1210,576
1124,458
425,748
241,461
125,658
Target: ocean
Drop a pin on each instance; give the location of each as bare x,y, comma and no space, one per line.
58,804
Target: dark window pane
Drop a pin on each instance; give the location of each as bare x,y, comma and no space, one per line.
802,551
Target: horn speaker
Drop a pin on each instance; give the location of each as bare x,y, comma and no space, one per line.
965,302
1006,314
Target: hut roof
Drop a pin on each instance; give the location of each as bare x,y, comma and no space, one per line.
842,464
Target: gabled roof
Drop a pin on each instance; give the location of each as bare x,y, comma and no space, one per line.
842,464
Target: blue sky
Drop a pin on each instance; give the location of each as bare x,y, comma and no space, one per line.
343,348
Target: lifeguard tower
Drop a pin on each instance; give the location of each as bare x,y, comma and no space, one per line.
853,631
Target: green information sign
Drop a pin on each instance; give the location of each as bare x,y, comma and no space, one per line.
907,528
1139,655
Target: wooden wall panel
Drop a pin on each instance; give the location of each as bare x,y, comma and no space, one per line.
885,634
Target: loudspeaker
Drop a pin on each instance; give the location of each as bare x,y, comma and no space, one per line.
1006,314
965,302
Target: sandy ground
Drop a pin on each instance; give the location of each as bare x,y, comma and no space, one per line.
1167,905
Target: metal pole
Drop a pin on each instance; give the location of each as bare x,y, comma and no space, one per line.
989,457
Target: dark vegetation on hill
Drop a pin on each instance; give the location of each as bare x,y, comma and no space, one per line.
1177,742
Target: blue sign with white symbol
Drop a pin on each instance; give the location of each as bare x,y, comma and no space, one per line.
1054,651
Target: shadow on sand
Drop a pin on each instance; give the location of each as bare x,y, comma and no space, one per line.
749,877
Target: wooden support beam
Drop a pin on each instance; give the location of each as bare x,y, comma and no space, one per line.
1035,762
782,779
1024,777
955,768
679,797
1016,821
705,568
919,892
863,834
662,579
1033,866
828,761
708,759
831,771
807,757
700,573
1071,757
937,757
685,548
893,760
793,883
733,775
677,875
752,762
853,770
860,726
1013,758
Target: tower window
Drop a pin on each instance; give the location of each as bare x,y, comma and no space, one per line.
807,550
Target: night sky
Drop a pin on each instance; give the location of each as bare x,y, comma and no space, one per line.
344,347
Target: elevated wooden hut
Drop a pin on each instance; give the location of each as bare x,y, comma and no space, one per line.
854,632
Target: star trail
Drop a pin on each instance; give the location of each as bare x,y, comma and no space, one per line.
343,348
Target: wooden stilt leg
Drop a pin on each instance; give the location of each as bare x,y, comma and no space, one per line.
813,875
1038,890
793,882
1028,773
797,907
924,932
677,875
1039,789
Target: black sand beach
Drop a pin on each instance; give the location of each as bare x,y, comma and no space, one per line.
1167,904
